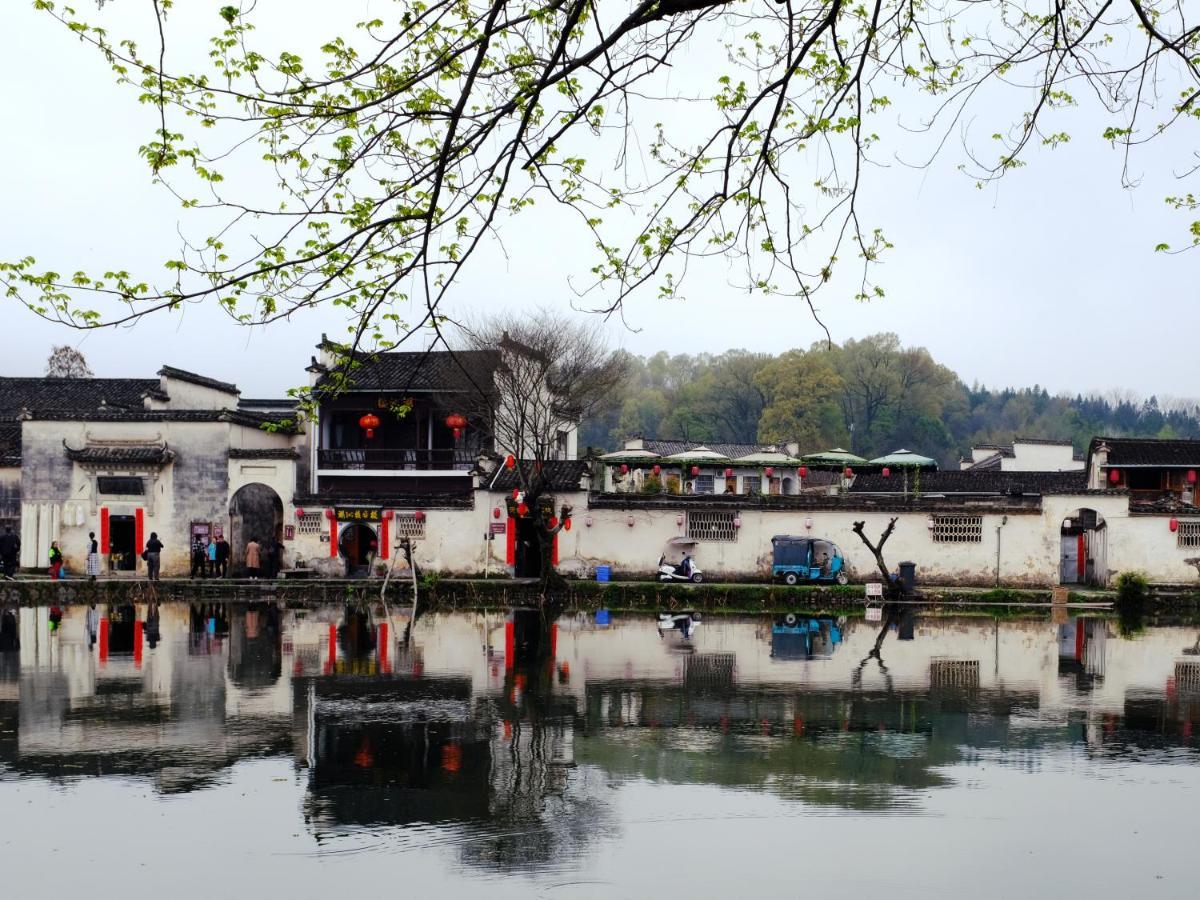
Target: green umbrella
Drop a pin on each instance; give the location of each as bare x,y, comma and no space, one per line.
904,457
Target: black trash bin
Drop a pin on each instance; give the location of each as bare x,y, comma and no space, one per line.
908,577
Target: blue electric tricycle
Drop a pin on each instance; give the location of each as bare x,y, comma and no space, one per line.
807,560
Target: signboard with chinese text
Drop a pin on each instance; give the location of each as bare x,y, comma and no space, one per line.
344,514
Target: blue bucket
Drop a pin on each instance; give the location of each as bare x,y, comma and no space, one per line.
603,573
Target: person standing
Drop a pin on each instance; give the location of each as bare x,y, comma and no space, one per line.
10,549
268,555
222,557
93,556
210,553
253,558
198,559
153,555
56,561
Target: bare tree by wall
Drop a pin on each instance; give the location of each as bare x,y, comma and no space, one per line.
67,362
551,373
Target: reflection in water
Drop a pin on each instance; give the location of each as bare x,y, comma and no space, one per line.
517,765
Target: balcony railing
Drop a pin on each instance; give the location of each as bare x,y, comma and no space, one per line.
396,460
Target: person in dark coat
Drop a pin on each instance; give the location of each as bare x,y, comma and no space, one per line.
10,550
154,548
222,557
199,559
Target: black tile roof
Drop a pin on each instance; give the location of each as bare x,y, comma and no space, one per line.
995,461
976,481
1148,452
732,451
461,370
202,380
263,453
108,414
1050,442
447,500
1005,450
262,404
45,394
560,475
157,455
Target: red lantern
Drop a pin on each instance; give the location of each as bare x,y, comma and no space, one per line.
887,473
496,513
522,509
1191,476
624,469
510,461
566,524
729,473
456,422
802,471
695,471
1114,475
516,494
369,423
769,471
419,515
658,471
629,521
1173,524
329,513
552,523
299,513
848,472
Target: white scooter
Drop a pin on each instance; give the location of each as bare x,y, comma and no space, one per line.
686,570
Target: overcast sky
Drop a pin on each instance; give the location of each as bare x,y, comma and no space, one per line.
1048,278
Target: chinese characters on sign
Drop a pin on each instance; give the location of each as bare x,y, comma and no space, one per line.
358,515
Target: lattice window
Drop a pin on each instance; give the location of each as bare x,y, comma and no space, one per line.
704,484
751,484
310,523
1188,534
408,526
958,529
712,526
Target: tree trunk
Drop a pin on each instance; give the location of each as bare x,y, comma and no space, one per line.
890,588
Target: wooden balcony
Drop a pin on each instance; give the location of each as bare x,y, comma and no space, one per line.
371,460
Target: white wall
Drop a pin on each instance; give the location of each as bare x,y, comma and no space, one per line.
1029,542
1042,458
188,395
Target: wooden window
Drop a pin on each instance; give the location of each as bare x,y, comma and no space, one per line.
958,529
712,526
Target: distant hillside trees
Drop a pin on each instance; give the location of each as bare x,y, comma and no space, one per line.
872,396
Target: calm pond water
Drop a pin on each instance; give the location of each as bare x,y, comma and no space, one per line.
251,750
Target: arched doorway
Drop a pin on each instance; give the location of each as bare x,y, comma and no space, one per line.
358,545
255,511
1084,549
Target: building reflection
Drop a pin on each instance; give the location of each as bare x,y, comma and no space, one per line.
451,732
